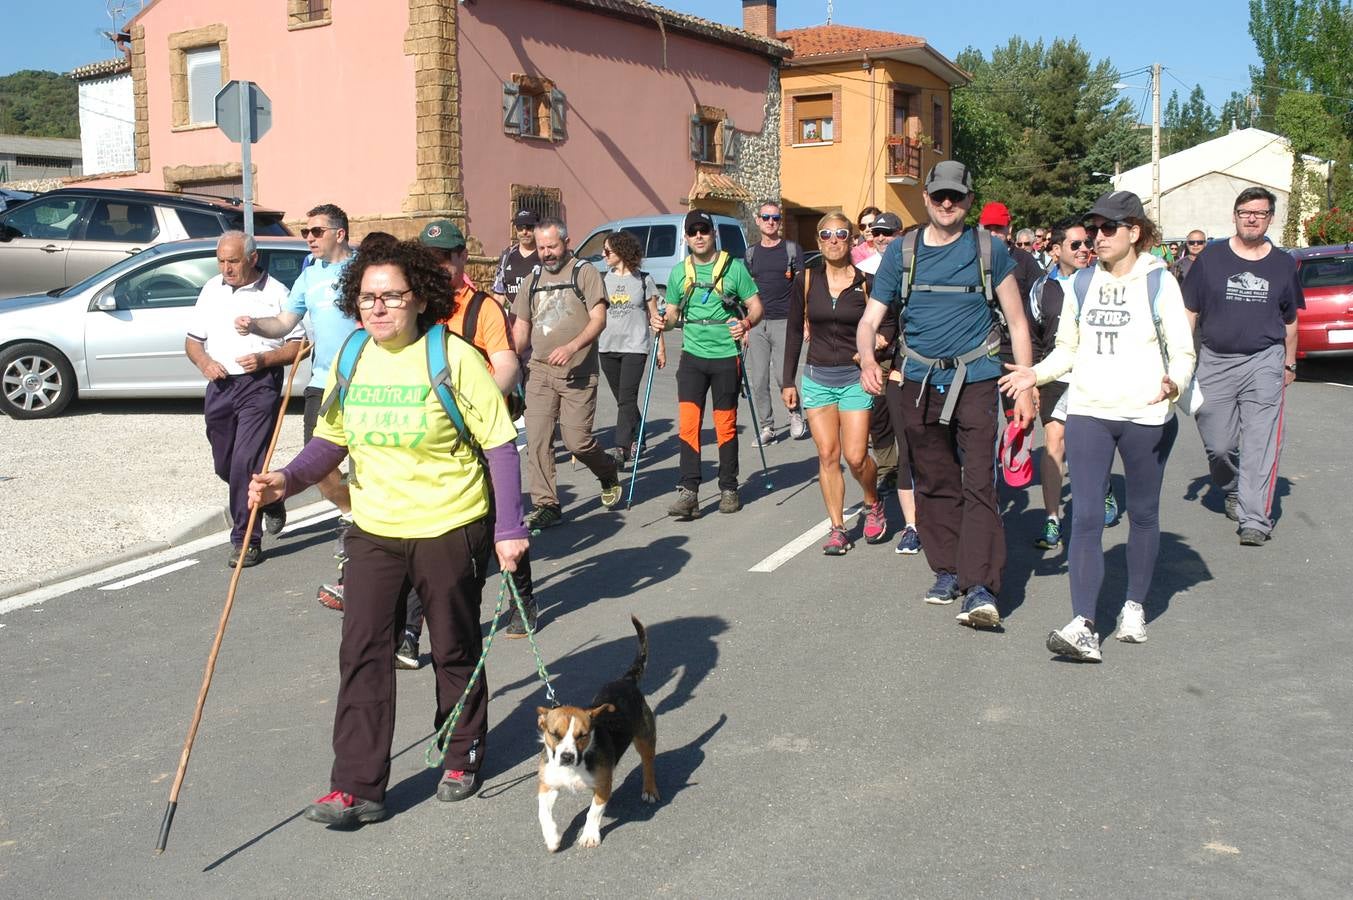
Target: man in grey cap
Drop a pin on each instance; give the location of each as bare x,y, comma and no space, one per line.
951,284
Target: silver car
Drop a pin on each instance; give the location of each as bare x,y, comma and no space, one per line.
120,333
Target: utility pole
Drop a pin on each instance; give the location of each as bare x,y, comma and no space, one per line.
1155,144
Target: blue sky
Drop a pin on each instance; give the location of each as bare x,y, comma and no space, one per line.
1214,51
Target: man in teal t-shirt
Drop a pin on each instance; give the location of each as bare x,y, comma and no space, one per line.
716,312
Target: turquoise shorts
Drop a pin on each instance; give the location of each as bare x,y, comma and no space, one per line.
851,398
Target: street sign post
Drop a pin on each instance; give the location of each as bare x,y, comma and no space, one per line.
244,114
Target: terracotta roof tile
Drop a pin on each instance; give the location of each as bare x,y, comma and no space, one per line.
99,69
825,40
644,11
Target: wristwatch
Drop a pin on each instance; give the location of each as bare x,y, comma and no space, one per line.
1291,368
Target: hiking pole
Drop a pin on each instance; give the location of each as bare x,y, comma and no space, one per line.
643,416
225,617
756,423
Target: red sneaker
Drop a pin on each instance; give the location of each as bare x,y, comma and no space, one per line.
875,523
330,596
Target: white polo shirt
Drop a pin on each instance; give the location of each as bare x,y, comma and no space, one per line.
218,305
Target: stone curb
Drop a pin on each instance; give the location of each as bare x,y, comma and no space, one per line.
209,524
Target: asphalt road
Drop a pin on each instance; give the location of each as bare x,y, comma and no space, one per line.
821,732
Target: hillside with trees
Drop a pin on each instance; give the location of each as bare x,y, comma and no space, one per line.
39,104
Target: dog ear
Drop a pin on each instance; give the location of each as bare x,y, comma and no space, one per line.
598,710
543,712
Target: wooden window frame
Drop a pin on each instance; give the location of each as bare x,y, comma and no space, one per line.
711,129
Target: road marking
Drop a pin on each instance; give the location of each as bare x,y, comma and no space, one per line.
147,576
313,512
800,543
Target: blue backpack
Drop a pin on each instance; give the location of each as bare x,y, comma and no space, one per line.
438,375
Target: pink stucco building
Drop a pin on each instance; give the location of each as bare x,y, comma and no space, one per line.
405,110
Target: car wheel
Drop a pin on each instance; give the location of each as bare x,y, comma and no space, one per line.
36,381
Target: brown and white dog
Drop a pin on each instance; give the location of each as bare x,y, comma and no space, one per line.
583,746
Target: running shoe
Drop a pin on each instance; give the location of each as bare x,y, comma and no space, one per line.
1249,537
611,492
686,506
910,542
838,543
1076,640
330,596
516,627
344,810
798,429
1132,624
729,501
875,523
275,517
1232,507
253,555
457,785
944,591
546,516
1052,535
979,608
767,436
1110,508
406,657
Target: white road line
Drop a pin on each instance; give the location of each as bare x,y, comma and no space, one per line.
313,512
147,576
799,544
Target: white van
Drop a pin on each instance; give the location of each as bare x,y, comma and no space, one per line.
664,244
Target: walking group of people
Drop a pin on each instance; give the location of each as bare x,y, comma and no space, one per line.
933,348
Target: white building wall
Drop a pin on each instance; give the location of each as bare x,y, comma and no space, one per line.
107,124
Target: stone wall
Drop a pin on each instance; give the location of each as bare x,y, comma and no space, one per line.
758,162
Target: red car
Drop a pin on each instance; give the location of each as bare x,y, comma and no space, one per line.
1325,326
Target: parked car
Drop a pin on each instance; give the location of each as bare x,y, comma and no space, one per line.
1325,326
664,244
119,333
9,198
66,235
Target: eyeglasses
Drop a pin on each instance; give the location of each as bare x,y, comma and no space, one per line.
1196,243
389,299
827,234
767,217
1076,245
607,251
939,198
1024,243
1108,229
1253,215
864,226
697,229
886,232
316,232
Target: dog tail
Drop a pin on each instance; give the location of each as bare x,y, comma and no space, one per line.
636,669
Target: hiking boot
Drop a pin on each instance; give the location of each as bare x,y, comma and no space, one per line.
767,436
1132,624
406,656
275,517
546,516
875,523
344,810
1051,536
838,542
611,492
686,506
252,556
330,596
516,628
1232,507
457,785
979,608
910,542
1110,509
944,591
729,502
1076,640
798,429
1249,537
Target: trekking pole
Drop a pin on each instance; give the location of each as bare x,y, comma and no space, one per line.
225,617
756,423
643,416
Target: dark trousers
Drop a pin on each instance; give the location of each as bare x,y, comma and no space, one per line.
957,516
1090,443
521,578
448,572
240,411
894,430
719,379
623,373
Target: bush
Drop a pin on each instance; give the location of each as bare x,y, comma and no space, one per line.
1333,226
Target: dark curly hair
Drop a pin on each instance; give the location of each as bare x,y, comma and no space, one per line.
626,247
420,269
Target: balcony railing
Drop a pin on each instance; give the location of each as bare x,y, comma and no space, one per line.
904,157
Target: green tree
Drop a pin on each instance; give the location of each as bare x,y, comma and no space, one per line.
39,104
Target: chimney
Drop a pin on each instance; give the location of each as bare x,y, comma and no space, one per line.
758,17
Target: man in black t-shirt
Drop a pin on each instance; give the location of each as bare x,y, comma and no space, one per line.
1242,296
995,218
773,262
517,261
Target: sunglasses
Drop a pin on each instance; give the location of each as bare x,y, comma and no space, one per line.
886,232
827,234
1076,245
697,229
767,217
864,226
1196,243
939,198
316,232
1024,243
1108,229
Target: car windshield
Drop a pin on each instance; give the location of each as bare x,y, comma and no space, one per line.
1327,271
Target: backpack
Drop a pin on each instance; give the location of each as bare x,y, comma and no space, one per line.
795,256
909,241
537,288
438,375
516,398
722,262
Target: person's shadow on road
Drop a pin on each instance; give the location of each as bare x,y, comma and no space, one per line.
1178,568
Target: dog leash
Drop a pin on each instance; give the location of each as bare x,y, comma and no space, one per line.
436,751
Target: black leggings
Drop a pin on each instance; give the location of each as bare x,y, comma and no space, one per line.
1090,443
624,372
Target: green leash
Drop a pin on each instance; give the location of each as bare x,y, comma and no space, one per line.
436,751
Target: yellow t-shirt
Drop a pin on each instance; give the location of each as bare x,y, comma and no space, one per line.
406,481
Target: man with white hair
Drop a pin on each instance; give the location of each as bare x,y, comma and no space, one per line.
244,374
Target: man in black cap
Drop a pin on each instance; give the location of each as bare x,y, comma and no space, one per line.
517,261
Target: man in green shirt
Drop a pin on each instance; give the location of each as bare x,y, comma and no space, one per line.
713,297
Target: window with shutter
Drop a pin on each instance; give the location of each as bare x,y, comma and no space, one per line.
730,143
204,80
558,131
533,107
706,144
512,107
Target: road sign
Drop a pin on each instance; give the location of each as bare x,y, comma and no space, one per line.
233,101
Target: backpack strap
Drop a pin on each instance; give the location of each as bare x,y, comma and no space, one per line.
1080,284
439,376
344,364
470,324
795,257
1153,280
721,265
1036,298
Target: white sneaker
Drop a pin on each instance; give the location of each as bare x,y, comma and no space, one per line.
797,428
1132,624
1075,640
767,436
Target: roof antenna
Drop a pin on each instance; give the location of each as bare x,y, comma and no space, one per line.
829,12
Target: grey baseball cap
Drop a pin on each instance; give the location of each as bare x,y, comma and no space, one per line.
949,175
886,222
1118,206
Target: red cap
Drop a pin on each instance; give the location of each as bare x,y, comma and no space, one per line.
994,214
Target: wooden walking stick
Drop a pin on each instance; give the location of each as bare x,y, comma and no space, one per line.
225,617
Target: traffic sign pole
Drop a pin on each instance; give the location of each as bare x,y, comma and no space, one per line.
246,146
244,114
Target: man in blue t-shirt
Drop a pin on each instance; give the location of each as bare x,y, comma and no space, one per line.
950,406
1242,295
